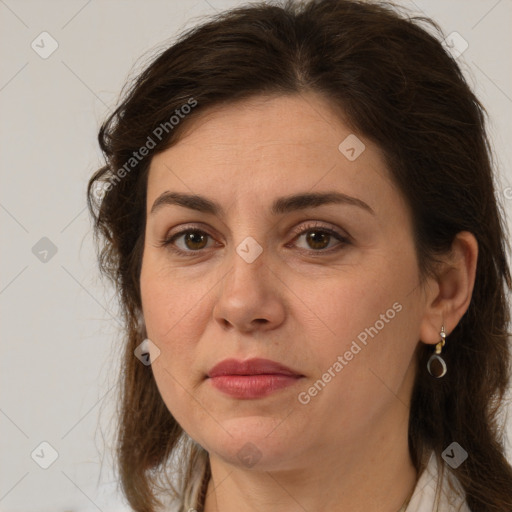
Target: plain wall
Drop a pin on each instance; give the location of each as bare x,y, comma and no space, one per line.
59,321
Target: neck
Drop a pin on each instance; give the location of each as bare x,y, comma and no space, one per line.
373,473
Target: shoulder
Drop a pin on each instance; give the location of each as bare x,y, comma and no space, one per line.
430,495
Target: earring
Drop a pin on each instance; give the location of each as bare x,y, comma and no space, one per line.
436,364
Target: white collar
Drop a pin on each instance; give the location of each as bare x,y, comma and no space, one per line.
424,496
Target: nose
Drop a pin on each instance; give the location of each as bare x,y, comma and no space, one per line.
250,296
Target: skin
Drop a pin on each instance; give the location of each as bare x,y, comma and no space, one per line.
297,304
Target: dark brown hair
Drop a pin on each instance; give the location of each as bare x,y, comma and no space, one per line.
396,85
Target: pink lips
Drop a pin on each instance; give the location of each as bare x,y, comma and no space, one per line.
254,378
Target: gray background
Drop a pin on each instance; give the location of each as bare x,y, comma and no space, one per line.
59,322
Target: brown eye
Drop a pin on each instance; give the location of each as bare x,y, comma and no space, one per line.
187,241
318,239
195,240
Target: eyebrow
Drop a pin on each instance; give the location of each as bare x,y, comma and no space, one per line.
280,206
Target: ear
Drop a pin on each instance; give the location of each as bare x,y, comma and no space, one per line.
448,295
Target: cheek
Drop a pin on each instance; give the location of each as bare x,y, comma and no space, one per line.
358,373
370,318
343,308
169,301
171,312
172,309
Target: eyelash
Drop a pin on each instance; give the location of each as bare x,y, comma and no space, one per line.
344,240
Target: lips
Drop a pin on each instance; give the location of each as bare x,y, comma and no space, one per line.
255,366
252,379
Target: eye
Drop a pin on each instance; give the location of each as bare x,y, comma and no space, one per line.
187,241
318,238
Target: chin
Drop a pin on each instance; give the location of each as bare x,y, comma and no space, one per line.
252,442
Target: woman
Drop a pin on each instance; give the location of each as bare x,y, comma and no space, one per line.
298,210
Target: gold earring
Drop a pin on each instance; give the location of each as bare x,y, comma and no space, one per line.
436,364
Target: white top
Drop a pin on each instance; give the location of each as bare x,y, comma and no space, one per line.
424,495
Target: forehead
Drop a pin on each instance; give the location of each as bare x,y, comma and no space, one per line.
257,147
266,121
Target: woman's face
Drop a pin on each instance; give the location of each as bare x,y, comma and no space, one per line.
276,269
